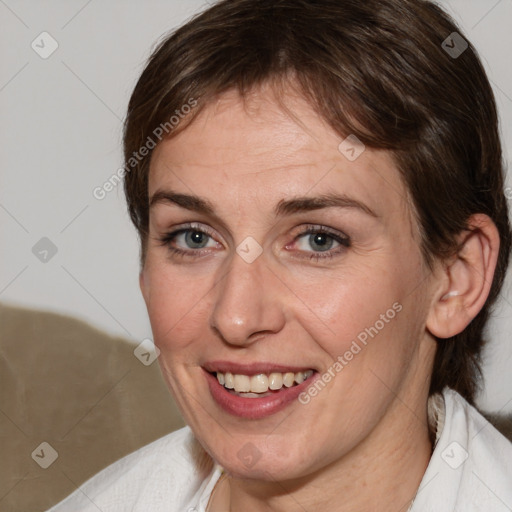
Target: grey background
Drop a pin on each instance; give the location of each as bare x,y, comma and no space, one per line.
61,137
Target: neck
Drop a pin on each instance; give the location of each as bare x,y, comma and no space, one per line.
381,473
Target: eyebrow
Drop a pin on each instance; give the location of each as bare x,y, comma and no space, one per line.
282,208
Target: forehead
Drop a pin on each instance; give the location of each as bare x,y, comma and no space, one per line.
252,149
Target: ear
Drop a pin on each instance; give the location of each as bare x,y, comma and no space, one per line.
465,281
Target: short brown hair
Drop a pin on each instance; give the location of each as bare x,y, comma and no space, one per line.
377,69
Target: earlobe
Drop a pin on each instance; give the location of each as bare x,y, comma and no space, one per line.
466,280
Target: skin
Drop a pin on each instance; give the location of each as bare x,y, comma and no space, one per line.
364,437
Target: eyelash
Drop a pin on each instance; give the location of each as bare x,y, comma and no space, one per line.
344,241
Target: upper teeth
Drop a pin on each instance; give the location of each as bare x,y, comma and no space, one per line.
261,383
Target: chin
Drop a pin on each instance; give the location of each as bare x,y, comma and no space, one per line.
270,470
260,460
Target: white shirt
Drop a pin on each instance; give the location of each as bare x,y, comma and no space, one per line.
470,470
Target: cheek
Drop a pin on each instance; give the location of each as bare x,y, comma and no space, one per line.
176,306
344,306
366,319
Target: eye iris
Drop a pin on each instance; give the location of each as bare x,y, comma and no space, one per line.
321,240
195,238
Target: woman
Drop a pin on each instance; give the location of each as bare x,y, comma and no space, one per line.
318,191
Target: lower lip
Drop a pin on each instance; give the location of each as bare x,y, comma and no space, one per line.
255,408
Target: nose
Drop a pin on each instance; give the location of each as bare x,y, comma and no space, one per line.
247,305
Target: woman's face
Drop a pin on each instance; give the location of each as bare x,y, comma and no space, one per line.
278,276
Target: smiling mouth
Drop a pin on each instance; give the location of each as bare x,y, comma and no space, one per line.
260,385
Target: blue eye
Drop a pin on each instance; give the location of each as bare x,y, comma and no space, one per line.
195,238
322,239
